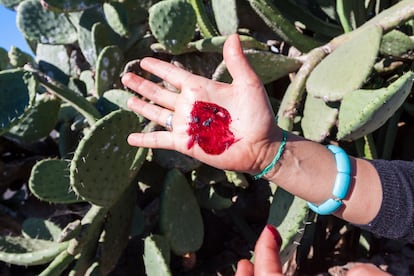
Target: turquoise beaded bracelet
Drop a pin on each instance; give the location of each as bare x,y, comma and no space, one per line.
341,185
276,159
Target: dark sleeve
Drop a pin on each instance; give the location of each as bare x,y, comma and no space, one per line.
395,219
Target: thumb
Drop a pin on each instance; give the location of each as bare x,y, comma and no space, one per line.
266,253
237,63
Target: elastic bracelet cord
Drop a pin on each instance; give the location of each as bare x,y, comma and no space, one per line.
276,159
341,186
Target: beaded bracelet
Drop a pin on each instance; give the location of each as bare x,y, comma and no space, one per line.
276,159
341,186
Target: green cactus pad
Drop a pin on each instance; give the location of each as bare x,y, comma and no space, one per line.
225,15
17,95
396,43
156,255
289,215
347,68
38,121
112,100
54,61
27,252
18,58
318,119
180,217
363,111
41,25
267,65
85,24
100,169
108,68
117,229
43,229
72,5
117,17
49,181
173,22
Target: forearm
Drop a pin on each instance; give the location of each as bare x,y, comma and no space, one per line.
308,170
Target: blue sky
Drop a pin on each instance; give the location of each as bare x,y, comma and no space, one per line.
9,34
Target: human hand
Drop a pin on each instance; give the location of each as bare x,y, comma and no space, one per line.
252,120
266,255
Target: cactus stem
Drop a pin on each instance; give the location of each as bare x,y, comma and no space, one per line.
203,22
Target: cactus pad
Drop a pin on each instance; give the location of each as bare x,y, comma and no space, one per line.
72,5
180,217
396,43
4,59
41,25
117,17
100,169
22,251
38,121
173,23
113,100
225,15
156,256
37,228
347,68
289,215
17,95
10,3
267,65
108,68
49,181
363,111
318,119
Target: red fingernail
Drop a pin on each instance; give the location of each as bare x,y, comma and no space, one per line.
275,234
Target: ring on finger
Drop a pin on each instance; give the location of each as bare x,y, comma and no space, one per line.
168,122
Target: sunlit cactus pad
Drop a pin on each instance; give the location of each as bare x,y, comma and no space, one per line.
44,26
100,169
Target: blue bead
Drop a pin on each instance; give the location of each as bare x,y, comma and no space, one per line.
341,186
328,207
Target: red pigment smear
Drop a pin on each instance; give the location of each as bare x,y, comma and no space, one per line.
209,128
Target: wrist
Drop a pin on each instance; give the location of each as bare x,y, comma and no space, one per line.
271,154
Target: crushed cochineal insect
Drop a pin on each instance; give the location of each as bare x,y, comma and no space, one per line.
209,128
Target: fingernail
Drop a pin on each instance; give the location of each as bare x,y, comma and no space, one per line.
275,234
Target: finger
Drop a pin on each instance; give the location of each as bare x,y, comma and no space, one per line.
266,253
169,72
366,269
156,139
150,111
244,268
150,90
236,62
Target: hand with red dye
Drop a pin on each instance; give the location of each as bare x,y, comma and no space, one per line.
228,126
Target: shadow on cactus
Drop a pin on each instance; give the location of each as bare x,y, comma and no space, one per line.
330,77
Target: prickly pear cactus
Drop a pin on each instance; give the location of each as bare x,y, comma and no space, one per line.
180,217
70,5
108,68
289,215
25,251
17,95
105,145
49,181
225,15
337,74
38,121
173,23
44,26
37,228
156,255
363,111
267,65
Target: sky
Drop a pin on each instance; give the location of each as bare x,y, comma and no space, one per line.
9,34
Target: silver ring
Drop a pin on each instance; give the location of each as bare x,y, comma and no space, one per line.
168,122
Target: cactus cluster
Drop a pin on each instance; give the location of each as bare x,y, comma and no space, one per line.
351,75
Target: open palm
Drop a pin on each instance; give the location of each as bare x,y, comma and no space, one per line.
252,119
